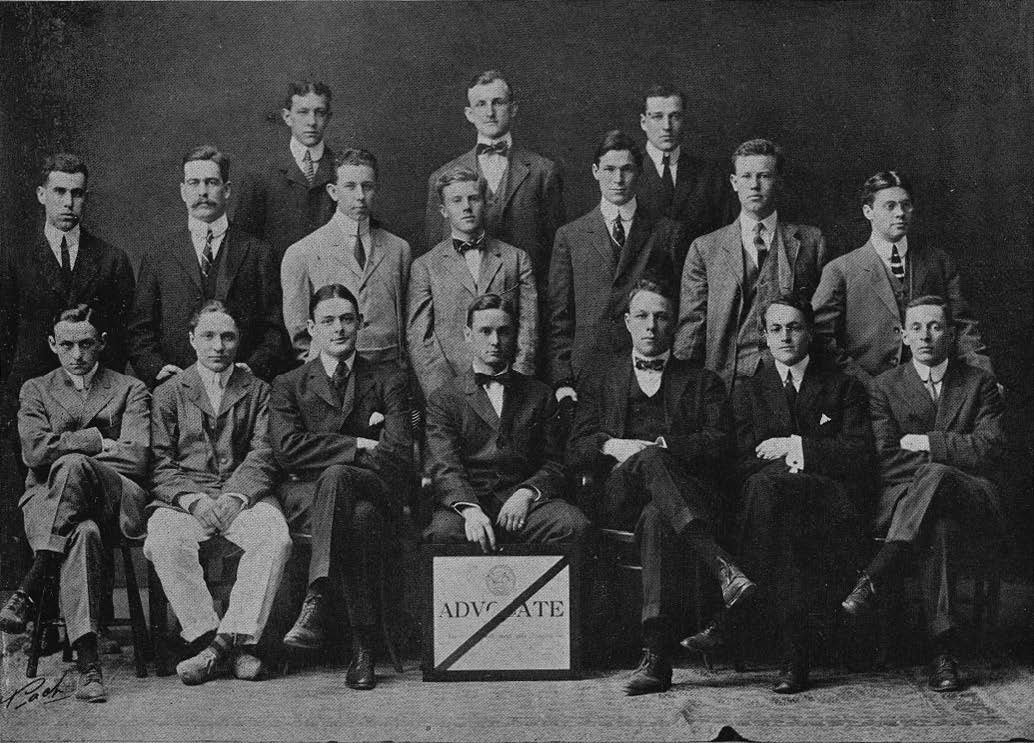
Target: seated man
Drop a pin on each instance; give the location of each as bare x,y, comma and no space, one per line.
213,475
85,439
341,426
804,449
657,429
494,454
937,422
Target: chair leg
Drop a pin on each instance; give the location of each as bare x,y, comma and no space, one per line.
141,642
66,646
159,610
37,631
389,640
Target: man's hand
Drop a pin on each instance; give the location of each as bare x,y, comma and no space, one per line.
774,448
226,508
515,511
563,392
203,509
915,442
366,444
167,371
108,444
479,528
622,449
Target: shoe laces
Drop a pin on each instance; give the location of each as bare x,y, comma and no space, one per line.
92,674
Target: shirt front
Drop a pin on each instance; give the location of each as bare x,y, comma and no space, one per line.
492,164
932,375
649,379
494,390
748,225
884,248
54,236
611,212
657,156
215,384
352,230
330,363
199,234
794,457
83,383
298,151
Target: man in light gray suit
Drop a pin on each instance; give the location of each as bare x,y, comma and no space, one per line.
444,281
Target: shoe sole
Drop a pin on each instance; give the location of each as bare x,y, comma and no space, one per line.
641,692
293,643
854,610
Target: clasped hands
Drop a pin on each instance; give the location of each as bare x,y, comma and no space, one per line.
622,449
513,514
915,442
216,514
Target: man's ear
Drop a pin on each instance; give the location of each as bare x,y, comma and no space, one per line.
52,342
102,341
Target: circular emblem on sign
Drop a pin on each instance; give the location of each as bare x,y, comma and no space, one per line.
501,580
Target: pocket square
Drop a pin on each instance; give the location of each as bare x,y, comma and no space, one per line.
376,419
824,419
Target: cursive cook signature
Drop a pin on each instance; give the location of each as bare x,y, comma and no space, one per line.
40,690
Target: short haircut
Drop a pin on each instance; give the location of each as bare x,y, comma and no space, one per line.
490,76
210,306
355,156
79,313
790,300
489,302
663,90
304,87
616,139
62,162
883,179
654,285
759,147
933,300
331,291
210,152
459,174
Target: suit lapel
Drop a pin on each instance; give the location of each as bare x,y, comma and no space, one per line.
293,173
673,386
233,256
478,400
878,278
918,276
48,268
456,264
732,245
86,263
194,389
99,394
788,256
374,256
633,253
183,249
774,398
516,171
808,395
236,388
342,254
951,399
490,265
358,383
320,384
913,389
620,380
684,179
324,170
601,243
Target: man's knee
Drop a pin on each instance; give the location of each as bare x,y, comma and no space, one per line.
571,524
937,473
73,465
446,527
269,532
365,516
87,532
761,492
166,535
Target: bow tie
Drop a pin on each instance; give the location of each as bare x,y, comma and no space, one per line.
499,148
463,247
504,378
649,364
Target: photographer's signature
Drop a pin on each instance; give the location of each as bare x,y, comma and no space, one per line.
39,690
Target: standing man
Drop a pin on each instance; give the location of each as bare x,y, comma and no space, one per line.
688,189
352,250
210,259
85,438
341,426
287,199
495,455
213,474
656,432
804,448
860,302
597,259
937,422
444,282
732,273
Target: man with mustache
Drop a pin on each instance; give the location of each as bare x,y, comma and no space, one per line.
210,259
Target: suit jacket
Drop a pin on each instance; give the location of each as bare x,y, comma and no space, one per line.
533,211
695,404
712,292
440,291
32,292
857,314
170,290
54,420
588,298
309,431
380,286
276,204
201,450
964,426
475,455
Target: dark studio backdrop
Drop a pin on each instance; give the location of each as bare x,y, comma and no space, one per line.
940,90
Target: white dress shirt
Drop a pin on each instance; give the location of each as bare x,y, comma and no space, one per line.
83,383
493,165
330,363
199,233
648,379
54,235
472,257
884,248
657,156
932,374
298,153
494,390
351,229
611,212
794,457
215,384
747,226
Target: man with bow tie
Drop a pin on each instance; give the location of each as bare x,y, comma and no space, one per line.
494,454
444,281
804,455
937,421
340,426
655,432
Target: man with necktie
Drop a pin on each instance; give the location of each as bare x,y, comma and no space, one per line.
937,422
733,272
444,281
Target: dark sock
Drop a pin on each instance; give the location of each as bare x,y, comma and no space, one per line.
44,567
363,634
944,643
221,644
885,559
86,652
319,586
704,545
657,635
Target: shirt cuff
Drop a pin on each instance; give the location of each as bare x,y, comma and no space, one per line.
538,493
462,506
795,457
662,442
186,500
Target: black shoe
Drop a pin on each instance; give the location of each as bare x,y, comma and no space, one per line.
793,677
860,599
309,630
651,677
89,686
16,613
361,673
711,637
737,588
944,673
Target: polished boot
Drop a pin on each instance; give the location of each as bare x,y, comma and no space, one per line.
309,630
737,588
860,599
89,686
711,637
652,676
361,674
944,673
205,666
16,613
793,677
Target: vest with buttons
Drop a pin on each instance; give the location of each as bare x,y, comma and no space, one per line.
645,418
210,283
758,289
495,203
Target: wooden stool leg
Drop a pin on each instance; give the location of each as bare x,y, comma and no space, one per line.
158,610
66,646
37,630
136,613
389,640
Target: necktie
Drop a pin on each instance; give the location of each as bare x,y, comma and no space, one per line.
360,252
666,174
619,232
206,255
649,364
308,167
498,148
791,391
462,247
897,266
759,244
504,378
930,386
340,380
66,261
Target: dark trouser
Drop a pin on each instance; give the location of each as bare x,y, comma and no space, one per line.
549,521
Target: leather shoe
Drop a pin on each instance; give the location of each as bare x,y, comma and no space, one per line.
16,613
860,599
89,687
711,637
793,678
944,673
361,673
246,666
203,667
651,677
737,588
309,630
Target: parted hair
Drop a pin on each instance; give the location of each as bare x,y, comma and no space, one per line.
663,90
459,174
933,300
759,147
331,291
79,313
488,302
488,76
210,152
62,162
655,285
208,307
355,156
616,139
303,88
789,300
883,179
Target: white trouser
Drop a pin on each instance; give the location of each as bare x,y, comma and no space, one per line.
172,546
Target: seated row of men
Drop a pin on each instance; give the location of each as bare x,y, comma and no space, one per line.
658,433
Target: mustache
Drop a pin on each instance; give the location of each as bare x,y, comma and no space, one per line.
204,202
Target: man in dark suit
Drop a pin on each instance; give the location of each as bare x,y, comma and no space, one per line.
85,438
860,301
596,260
804,450
286,199
341,427
213,474
656,432
210,259
731,273
495,456
937,422
444,281
690,190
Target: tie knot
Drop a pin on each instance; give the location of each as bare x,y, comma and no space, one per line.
463,246
649,364
759,228
341,370
503,378
307,157
496,148
666,160
789,376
